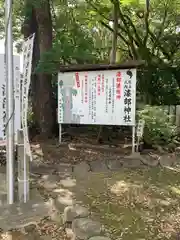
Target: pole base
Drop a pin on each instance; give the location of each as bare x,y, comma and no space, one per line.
20,215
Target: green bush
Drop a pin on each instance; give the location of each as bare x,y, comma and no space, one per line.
30,117
159,128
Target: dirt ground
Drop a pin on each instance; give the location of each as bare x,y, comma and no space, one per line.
131,203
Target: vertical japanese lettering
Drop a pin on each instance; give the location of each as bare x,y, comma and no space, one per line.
94,100
90,98
77,79
61,100
17,82
86,89
106,91
113,94
99,85
128,98
4,108
82,90
102,83
118,85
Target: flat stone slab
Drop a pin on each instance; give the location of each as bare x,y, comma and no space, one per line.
114,165
64,198
99,238
19,215
42,169
131,163
84,228
150,160
81,169
63,168
99,166
49,181
72,212
68,182
167,161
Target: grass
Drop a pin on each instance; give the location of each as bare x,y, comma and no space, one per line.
136,204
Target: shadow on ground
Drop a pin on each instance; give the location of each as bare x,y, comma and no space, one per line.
136,204
132,203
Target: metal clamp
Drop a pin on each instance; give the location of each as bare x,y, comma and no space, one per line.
19,180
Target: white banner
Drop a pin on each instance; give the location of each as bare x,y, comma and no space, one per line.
17,112
140,128
97,97
26,79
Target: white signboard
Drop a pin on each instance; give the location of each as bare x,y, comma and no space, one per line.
97,97
26,79
3,97
140,128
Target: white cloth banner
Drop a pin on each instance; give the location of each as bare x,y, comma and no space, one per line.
26,79
17,111
97,97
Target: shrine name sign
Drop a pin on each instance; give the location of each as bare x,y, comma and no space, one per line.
105,97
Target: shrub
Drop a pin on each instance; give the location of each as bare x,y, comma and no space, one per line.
159,128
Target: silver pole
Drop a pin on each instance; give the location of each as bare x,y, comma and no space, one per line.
133,139
60,133
9,102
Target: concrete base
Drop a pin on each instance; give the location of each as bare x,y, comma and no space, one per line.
19,215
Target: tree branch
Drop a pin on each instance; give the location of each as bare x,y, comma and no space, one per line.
146,19
138,39
119,34
160,31
158,44
97,10
134,52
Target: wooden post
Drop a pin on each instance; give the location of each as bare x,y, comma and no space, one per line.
23,184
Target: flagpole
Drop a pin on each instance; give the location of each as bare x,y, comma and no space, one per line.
9,102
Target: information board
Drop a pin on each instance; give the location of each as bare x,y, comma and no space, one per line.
97,97
17,101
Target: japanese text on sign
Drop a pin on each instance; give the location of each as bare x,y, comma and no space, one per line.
101,97
17,112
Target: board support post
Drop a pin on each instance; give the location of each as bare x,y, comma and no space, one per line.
60,133
133,138
23,169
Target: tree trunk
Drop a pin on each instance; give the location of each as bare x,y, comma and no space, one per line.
114,35
44,100
113,50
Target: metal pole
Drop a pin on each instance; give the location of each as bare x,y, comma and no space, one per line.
133,139
9,103
60,133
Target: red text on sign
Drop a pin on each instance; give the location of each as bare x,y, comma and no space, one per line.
86,89
77,79
99,85
102,83
118,85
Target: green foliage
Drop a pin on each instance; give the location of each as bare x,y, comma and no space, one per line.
159,86
82,33
30,117
73,41
159,129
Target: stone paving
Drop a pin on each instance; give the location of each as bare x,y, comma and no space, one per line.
61,183
62,187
